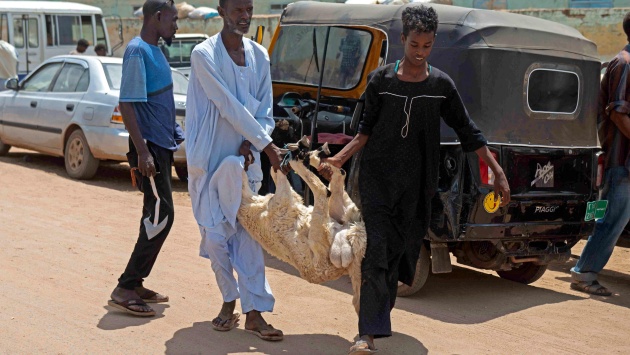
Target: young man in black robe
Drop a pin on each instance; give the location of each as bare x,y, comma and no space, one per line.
400,131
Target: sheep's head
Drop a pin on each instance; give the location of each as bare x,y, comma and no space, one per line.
301,152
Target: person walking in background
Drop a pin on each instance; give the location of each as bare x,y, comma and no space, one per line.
148,110
8,62
100,50
400,130
228,123
614,134
82,46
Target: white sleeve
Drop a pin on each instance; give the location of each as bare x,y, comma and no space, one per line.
205,70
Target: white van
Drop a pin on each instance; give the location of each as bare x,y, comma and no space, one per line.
42,29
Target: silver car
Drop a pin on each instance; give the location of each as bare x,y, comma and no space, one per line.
69,107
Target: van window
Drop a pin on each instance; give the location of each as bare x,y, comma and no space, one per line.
69,29
87,29
4,28
51,33
33,33
18,33
553,91
293,59
100,31
69,78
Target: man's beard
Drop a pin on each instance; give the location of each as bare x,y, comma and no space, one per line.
168,41
233,26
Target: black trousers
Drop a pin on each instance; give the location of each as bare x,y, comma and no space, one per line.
379,272
145,251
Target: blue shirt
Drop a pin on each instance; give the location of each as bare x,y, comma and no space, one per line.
147,82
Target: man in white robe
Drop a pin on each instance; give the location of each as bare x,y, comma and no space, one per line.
229,110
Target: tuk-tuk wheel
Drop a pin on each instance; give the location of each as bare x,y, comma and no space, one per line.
525,274
420,278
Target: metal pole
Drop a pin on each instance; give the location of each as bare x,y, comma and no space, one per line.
25,38
307,196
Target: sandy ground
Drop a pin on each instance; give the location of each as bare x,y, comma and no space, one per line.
65,242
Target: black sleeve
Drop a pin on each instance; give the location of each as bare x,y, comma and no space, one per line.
456,116
372,103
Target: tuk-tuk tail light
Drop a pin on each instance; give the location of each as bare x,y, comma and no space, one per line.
116,116
487,176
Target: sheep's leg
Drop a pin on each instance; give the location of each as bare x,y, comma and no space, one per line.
318,236
336,200
354,271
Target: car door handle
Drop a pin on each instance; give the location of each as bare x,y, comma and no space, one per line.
33,104
69,107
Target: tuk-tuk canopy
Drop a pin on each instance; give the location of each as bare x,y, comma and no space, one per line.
492,28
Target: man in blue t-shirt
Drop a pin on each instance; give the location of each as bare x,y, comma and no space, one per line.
148,110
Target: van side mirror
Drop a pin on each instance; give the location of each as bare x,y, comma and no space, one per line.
260,32
12,84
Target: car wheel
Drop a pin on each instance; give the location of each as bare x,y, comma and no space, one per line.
4,148
80,163
525,274
420,278
182,172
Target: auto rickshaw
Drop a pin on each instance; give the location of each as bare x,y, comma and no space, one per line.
530,85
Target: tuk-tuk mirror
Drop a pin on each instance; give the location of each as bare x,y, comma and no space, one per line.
260,31
12,84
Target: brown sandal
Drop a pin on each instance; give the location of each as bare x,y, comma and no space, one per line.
594,288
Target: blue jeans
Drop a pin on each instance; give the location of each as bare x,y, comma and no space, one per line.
600,245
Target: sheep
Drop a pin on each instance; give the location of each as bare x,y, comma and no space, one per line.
323,241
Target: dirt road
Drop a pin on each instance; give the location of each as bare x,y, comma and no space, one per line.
65,242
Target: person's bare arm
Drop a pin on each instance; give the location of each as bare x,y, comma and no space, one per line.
501,185
622,121
146,165
342,157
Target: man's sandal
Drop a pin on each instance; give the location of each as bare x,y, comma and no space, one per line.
361,347
150,296
228,324
124,306
592,287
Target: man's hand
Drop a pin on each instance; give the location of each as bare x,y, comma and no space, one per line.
324,166
275,157
146,165
502,188
245,150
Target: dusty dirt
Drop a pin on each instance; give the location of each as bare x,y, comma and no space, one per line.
65,242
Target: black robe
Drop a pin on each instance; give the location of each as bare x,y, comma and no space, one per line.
399,165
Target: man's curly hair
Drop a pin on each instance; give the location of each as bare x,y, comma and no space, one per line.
419,19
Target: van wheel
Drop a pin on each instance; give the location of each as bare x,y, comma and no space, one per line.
420,278
80,163
525,274
182,172
4,148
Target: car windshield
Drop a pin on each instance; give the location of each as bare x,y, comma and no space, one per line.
180,83
113,73
294,61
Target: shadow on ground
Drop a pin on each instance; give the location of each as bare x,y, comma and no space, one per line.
202,339
617,282
111,175
114,319
463,296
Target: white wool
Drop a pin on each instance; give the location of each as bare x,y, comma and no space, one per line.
320,247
